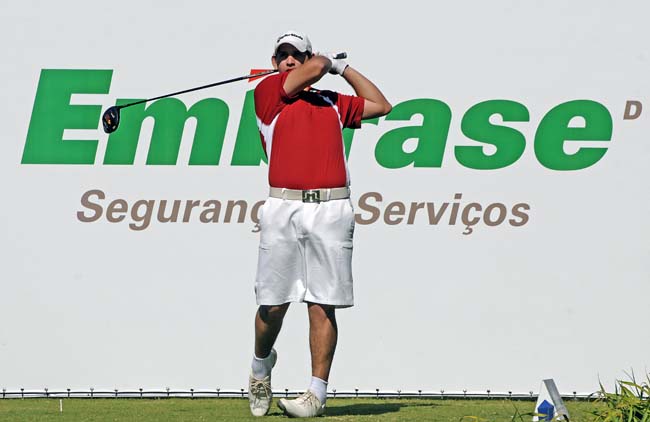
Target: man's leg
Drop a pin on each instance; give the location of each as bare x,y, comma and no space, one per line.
268,322
323,333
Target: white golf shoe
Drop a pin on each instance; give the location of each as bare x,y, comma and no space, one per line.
260,393
306,405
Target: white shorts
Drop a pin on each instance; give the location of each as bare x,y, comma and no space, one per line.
305,252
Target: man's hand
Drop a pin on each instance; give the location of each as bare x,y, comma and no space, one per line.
338,65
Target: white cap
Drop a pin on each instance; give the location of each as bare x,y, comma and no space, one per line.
296,39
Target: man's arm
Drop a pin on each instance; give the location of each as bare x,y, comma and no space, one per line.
376,104
307,74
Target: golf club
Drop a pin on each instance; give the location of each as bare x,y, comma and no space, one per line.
111,117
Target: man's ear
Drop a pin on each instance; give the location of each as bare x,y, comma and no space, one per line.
274,63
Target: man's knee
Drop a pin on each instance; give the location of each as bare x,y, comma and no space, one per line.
320,311
275,313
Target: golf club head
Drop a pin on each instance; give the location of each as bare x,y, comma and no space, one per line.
111,119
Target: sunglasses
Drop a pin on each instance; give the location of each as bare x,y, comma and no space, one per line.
282,55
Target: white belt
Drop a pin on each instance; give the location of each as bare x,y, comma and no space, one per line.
311,195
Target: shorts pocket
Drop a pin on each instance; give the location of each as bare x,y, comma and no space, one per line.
344,263
351,218
264,263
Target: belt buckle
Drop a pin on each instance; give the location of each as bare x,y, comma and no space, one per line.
311,196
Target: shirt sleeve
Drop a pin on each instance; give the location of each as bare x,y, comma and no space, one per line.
270,97
351,110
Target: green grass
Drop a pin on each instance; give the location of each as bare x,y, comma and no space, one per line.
237,410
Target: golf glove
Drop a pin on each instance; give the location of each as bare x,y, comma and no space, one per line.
338,65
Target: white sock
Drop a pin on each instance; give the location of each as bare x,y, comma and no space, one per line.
319,388
262,367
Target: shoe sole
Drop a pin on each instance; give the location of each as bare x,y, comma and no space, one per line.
284,409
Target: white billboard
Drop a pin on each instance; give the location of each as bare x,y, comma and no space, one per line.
502,207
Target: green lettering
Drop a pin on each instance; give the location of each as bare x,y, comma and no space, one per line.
52,114
170,115
248,145
554,130
431,136
510,143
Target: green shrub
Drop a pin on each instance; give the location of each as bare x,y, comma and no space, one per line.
630,402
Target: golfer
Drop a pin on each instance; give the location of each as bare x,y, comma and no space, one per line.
307,223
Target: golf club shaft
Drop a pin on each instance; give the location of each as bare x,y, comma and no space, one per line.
240,78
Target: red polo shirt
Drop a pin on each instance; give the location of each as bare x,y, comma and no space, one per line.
302,134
